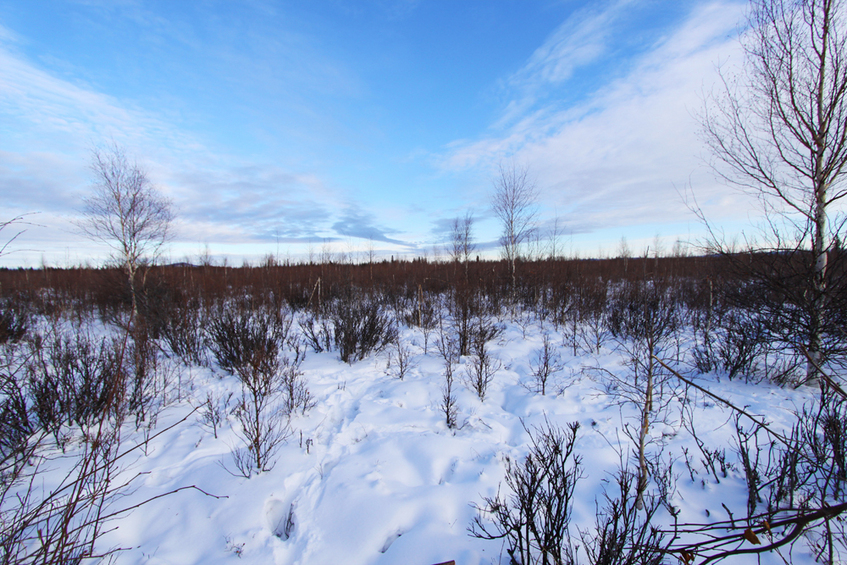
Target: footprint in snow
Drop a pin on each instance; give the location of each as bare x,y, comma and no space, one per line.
391,539
280,518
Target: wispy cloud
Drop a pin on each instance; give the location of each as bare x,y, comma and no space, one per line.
355,222
46,113
256,124
258,203
579,41
618,157
49,125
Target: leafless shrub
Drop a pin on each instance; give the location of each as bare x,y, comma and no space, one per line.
60,525
423,315
295,390
355,325
214,410
805,475
147,380
534,518
665,480
247,341
400,360
63,523
15,318
480,373
74,379
589,316
449,405
485,329
733,346
239,332
749,452
713,459
547,362
465,309
16,425
317,331
448,348
184,333
71,377
703,354
360,327
263,421
812,475
263,432
46,407
624,534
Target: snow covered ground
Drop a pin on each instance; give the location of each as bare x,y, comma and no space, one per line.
372,475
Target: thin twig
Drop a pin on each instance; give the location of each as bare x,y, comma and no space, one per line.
722,400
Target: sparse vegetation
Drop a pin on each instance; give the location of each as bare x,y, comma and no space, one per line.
651,313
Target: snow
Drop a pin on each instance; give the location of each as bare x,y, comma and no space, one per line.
372,475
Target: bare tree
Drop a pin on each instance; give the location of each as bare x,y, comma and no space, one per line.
555,234
781,131
624,252
126,212
513,202
461,239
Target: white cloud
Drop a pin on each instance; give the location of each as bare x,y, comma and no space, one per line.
619,158
579,41
49,125
612,159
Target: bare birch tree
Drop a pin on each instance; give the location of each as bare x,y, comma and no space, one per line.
513,202
127,213
781,131
461,239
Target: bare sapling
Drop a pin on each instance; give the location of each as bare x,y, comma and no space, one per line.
643,318
448,348
514,203
547,362
480,373
263,422
294,386
214,411
400,360
449,405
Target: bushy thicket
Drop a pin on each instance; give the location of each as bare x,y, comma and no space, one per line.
355,326
14,318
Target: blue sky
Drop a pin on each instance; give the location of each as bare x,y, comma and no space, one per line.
276,127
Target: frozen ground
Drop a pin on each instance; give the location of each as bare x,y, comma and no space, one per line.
372,475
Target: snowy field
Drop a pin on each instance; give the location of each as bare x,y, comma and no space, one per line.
371,474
